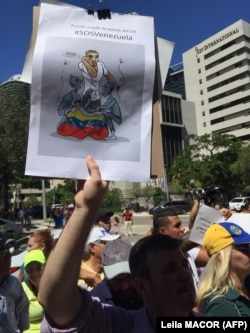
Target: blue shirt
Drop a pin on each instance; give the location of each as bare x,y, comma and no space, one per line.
14,306
105,295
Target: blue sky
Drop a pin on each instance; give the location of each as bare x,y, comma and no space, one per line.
185,23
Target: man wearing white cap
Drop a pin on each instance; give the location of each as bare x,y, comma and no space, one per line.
117,288
166,286
91,270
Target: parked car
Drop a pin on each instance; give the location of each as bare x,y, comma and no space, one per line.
19,249
18,252
180,206
9,226
237,203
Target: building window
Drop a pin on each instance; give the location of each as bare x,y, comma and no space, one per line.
199,70
198,60
201,92
171,110
204,124
200,81
202,102
203,113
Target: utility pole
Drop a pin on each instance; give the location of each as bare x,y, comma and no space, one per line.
44,201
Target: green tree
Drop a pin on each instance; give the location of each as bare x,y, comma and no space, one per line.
241,167
136,190
65,192
113,200
185,168
159,196
30,202
31,182
62,194
14,126
148,191
208,161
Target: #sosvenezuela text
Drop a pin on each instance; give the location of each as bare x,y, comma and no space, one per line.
225,323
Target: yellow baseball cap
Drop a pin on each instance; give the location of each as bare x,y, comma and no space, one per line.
220,235
34,255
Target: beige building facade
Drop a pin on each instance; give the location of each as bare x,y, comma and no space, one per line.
217,80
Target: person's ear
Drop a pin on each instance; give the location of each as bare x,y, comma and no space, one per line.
42,247
139,284
91,247
218,256
161,230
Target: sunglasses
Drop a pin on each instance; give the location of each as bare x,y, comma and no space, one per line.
33,269
243,248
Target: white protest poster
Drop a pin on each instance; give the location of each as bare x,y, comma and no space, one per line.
205,217
27,67
92,87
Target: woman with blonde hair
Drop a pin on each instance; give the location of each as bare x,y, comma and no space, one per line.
222,289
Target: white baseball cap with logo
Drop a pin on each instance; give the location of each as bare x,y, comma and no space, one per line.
98,234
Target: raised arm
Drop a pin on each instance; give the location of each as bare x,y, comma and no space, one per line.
58,291
194,212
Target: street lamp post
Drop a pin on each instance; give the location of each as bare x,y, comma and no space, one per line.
44,201
166,185
54,190
18,194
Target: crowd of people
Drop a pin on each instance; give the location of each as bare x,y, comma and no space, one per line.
93,280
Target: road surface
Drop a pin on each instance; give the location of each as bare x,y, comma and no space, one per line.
142,224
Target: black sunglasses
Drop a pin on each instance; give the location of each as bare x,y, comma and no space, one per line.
36,268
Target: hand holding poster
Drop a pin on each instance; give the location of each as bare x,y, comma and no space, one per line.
205,217
92,86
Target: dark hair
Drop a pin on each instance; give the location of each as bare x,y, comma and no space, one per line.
138,259
91,51
221,204
161,219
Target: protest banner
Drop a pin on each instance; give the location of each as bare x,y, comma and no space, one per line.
103,108
205,217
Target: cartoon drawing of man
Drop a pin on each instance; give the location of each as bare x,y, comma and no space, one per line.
110,109
72,99
93,71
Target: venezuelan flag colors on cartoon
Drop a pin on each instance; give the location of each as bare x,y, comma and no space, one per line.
80,126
